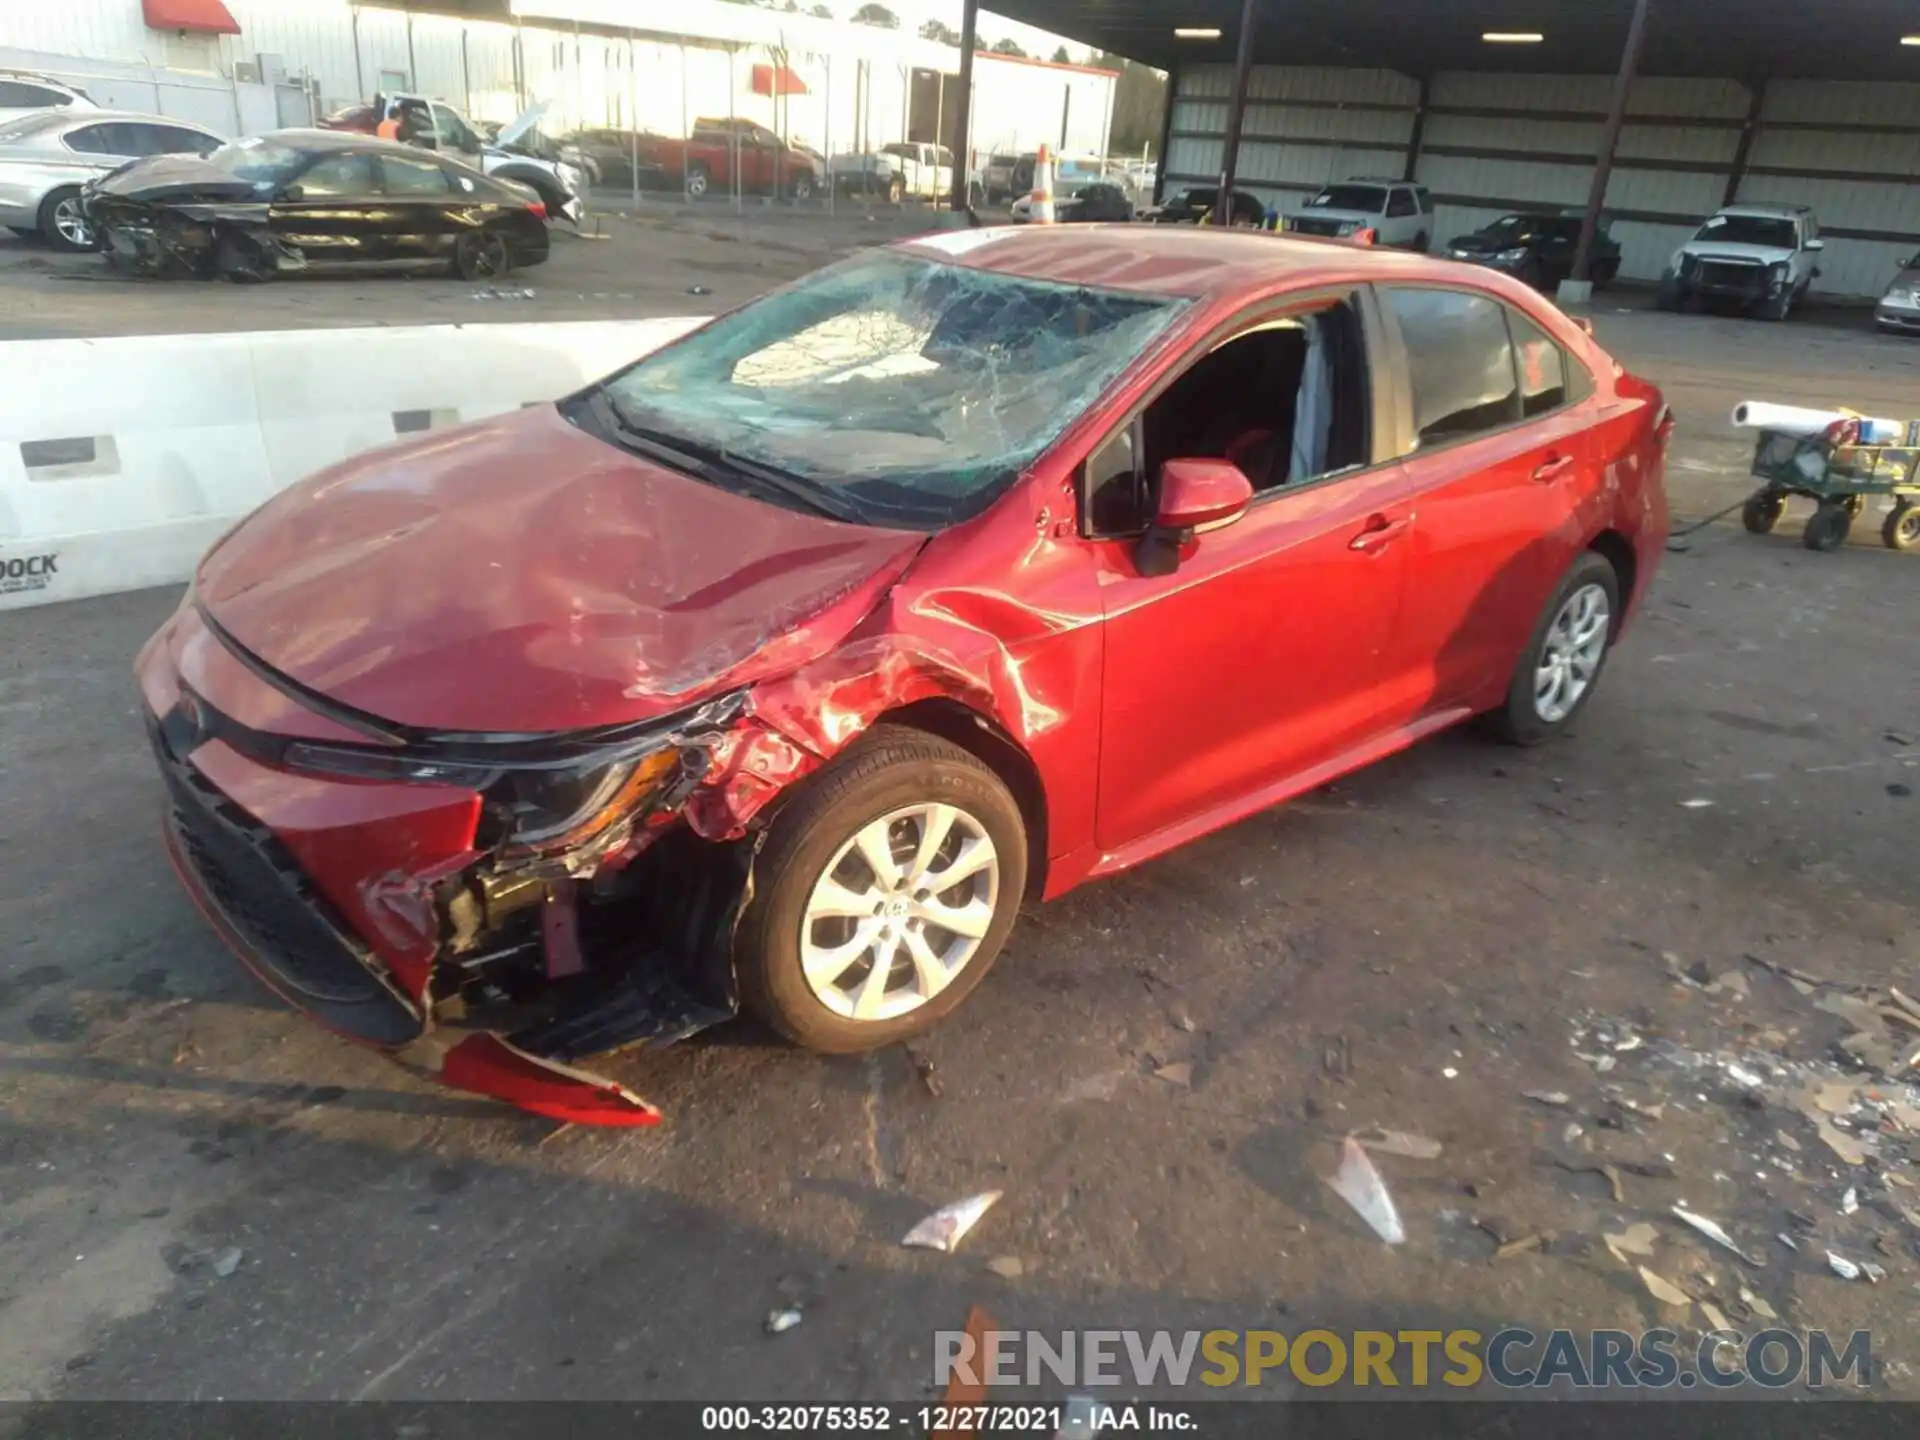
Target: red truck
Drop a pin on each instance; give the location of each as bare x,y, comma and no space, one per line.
705,164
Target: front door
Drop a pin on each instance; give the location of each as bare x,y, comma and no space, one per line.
1499,455
1264,655
331,210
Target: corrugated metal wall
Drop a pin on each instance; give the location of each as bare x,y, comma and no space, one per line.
1495,143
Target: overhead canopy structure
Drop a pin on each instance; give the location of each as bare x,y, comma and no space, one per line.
1737,39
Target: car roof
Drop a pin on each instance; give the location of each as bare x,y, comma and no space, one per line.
322,140
78,118
1772,212
1206,262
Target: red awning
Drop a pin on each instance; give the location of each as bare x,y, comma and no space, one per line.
777,80
209,17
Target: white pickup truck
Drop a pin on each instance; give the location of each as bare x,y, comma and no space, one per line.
896,171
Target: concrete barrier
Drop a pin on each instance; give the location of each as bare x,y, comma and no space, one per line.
122,460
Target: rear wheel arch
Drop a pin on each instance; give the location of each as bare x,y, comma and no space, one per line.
1617,551
960,724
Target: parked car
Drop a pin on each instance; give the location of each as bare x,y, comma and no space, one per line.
514,152
314,199
1762,258
610,156
835,711
1101,202
47,156
1191,207
907,168
1008,177
1399,214
707,163
1537,248
26,92
1899,309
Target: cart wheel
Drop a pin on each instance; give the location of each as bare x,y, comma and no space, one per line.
1902,528
1828,528
1855,504
1763,511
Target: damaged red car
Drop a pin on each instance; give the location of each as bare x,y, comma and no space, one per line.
778,669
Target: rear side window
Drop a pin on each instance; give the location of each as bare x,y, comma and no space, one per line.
1402,203
1459,363
173,140
413,177
338,175
17,95
98,140
1543,367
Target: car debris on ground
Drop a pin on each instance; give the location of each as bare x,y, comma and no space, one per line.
1360,1185
946,1227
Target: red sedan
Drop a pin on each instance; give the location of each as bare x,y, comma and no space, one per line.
779,668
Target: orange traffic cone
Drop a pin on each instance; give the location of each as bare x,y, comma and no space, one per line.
1041,209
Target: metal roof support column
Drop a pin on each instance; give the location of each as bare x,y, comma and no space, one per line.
1609,142
1749,132
1418,133
1166,134
963,117
1236,112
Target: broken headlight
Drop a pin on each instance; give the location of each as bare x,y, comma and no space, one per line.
536,805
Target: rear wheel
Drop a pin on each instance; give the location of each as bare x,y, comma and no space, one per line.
802,187
1605,272
1902,528
1828,528
1762,512
63,224
882,895
482,256
699,179
1557,675
1421,242
896,190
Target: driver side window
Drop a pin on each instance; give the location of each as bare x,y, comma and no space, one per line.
1286,401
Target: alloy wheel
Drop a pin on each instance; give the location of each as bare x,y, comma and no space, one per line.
72,224
899,912
1570,657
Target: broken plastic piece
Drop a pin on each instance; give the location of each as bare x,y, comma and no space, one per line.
488,1065
1180,1074
1843,1267
1635,1240
1399,1142
1713,1232
1665,1291
946,1227
1360,1185
781,1321
1550,1097
1850,1201
227,1263
1007,1267
1758,1306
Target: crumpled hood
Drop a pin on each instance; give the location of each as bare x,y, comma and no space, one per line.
1728,250
1344,217
160,177
519,575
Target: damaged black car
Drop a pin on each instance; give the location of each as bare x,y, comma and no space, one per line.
299,200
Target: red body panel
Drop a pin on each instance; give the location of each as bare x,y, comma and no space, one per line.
520,576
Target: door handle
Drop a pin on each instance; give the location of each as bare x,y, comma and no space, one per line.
1380,532
1552,468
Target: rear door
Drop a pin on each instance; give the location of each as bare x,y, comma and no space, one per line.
1496,417
333,209
417,208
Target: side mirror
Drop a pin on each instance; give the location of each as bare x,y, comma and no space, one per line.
1195,495
1816,245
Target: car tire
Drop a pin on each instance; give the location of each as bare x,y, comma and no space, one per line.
1669,296
1762,512
1779,307
812,885
239,263
896,190
1421,242
482,255
1605,273
62,225
802,187
1901,529
1566,651
1828,529
699,179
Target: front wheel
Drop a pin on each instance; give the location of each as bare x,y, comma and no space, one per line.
1901,531
1556,676
1762,512
883,893
896,190
699,178
63,224
1828,528
802,187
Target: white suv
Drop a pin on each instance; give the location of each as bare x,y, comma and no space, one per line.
1762,256
1398,213
22,92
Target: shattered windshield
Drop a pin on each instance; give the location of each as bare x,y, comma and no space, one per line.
1369,198
1764,230
901,389
257,160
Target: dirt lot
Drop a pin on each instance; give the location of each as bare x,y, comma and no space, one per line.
201,1195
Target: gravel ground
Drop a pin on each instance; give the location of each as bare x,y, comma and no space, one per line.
203,1196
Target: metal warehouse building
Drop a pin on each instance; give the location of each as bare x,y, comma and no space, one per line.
1498,105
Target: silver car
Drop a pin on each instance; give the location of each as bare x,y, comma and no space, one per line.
1899,309
46,157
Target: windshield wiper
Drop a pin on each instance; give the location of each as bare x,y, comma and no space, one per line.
717,464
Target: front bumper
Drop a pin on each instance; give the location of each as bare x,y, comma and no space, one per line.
368,905
1748,284
1897,317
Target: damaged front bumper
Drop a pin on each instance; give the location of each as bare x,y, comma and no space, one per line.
396,914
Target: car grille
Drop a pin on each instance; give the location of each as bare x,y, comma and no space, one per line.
247,876
1731,275
1304,225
